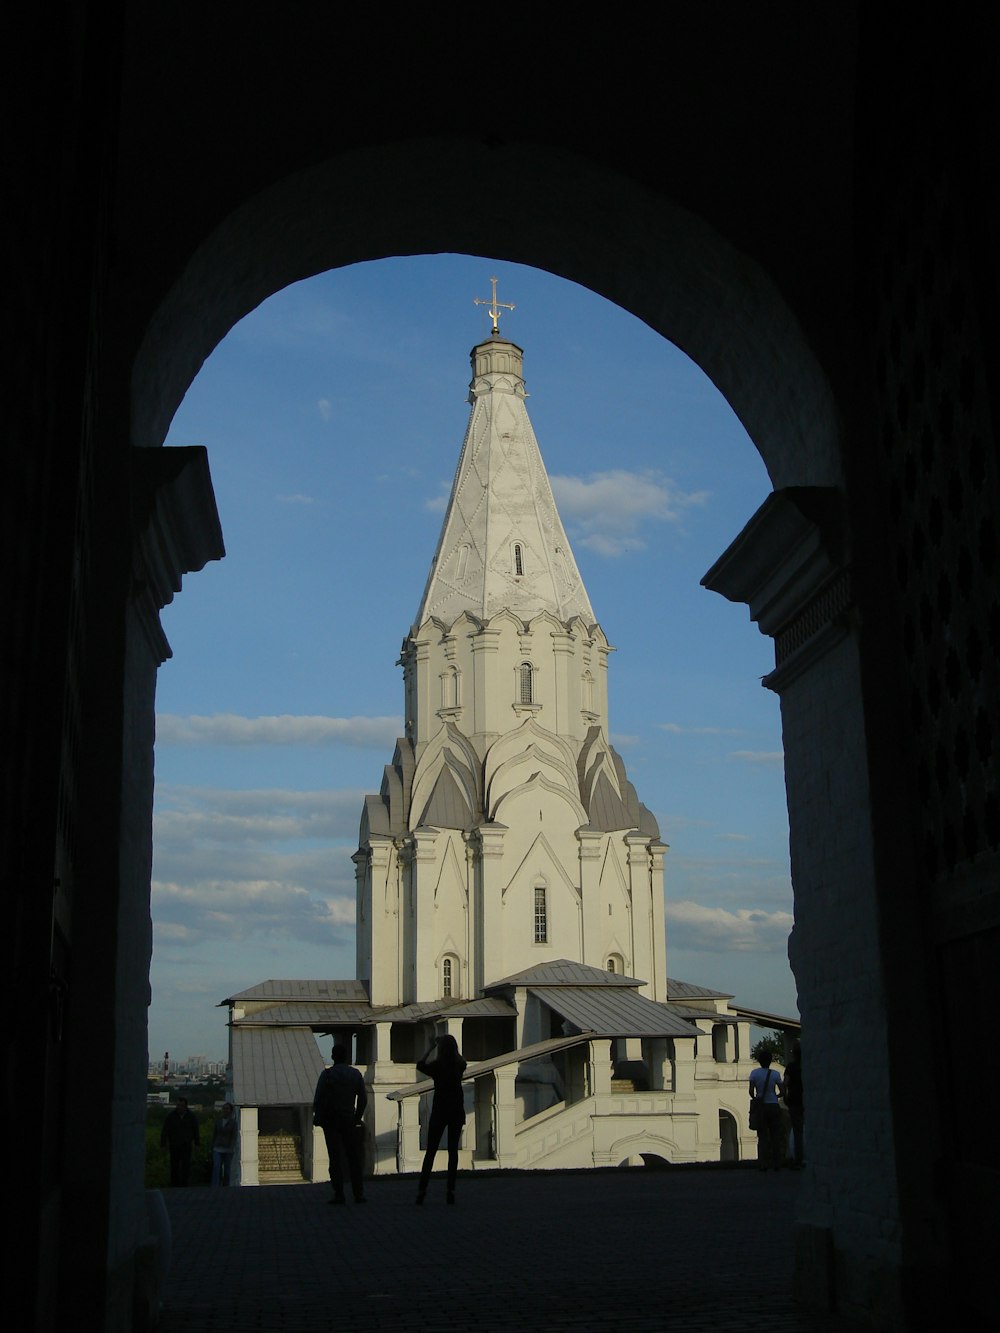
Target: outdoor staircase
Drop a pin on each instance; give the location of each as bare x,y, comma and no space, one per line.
279,1159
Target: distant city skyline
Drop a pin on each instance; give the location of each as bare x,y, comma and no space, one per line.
333,424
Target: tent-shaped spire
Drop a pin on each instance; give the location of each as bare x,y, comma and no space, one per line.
502,543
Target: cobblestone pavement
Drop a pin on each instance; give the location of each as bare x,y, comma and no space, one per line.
680,1250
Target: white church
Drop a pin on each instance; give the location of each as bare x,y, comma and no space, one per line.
509,880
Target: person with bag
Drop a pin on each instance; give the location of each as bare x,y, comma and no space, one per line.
338,1109
765,1113
447,1109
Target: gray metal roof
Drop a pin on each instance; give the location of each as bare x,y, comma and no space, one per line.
533,1052
419,1010
686,990
318,1014
613,1012
335,1013
564,973
304,990
493,1006
708,1015
763,1019
274,1066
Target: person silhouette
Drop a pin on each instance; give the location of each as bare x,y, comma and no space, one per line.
338,1109
447,1108
765,1089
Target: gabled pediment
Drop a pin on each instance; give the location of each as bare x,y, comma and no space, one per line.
540,860
451,883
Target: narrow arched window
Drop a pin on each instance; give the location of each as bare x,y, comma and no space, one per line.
463,560
588,692
449,688
611,965
541,915
525,677
518,560
446,978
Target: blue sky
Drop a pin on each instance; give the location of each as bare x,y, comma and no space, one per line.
333,416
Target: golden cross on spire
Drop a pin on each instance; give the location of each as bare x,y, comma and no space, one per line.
495,306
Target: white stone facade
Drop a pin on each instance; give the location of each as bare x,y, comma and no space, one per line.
509,880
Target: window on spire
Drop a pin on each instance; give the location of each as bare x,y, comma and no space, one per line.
525,683
446,978
518,560
450,688
588,692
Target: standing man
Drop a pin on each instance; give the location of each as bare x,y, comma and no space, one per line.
338,1109
179,1134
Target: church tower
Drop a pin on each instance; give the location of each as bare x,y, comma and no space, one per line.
506,833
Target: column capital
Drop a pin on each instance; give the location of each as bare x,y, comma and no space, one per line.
790,565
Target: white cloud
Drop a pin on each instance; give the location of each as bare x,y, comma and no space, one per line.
296,499
718,930
232,729
325,409
270,863
676,730
606,510
232,909
437,504
623,742
733,837
758,756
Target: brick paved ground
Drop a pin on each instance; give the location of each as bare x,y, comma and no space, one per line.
681,1250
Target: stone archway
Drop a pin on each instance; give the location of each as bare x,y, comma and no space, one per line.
678,274
669,268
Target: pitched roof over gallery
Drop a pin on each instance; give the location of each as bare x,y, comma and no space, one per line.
502,544
564,972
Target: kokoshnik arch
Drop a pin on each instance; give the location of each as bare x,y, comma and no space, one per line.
810,211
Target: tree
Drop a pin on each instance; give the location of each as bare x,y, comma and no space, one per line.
774,1042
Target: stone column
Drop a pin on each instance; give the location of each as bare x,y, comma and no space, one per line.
683,1069
505,1115
249,1174
409,1156
791,566
565,694
601,1059
490,902
640,912
420,977
486,706
594,927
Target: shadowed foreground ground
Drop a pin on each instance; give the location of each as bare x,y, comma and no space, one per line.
676,1249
